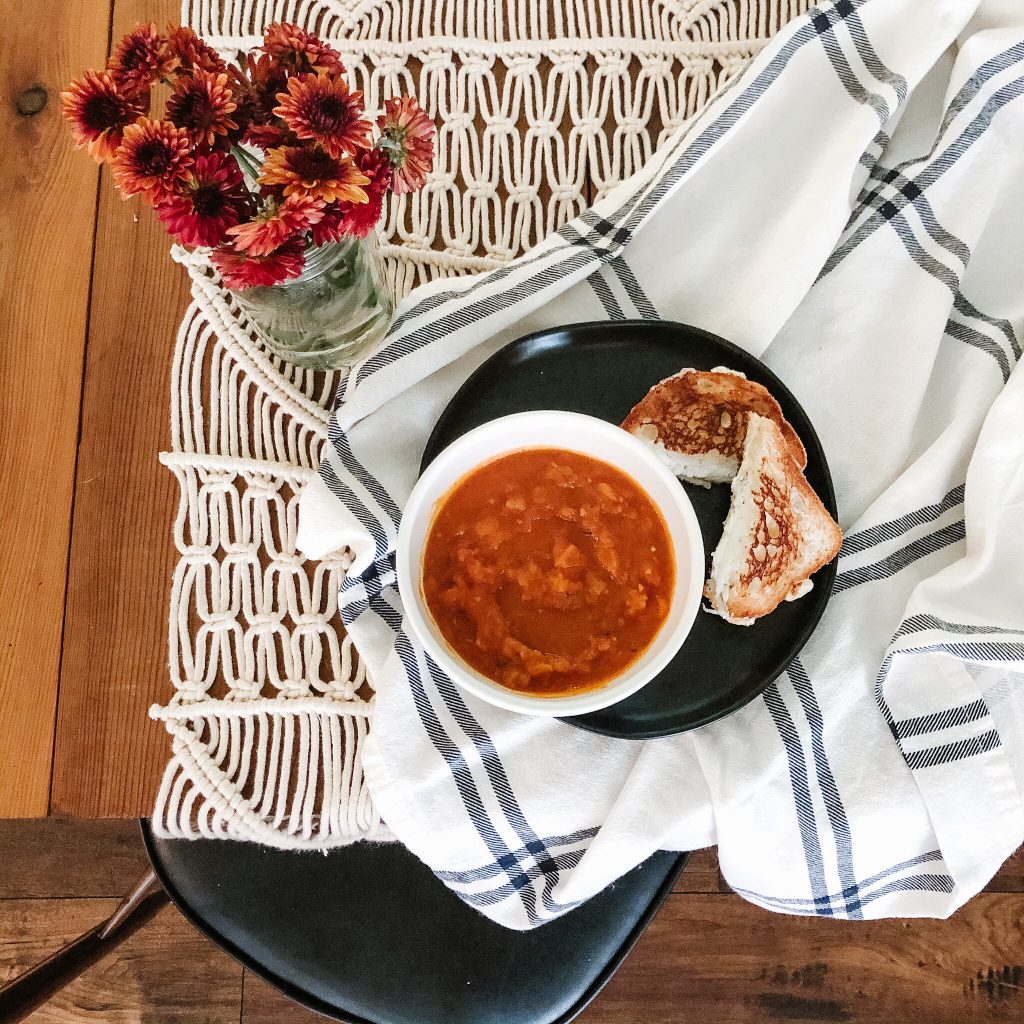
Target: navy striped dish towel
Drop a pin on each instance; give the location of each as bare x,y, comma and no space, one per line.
849,210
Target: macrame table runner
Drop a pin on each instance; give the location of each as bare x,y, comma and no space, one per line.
541,106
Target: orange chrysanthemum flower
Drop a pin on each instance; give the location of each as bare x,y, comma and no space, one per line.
407,137
314,173
322,109
212,199
98,112
141,58
202,104
191,53
278,222
153,158
357,220
301,50
240,270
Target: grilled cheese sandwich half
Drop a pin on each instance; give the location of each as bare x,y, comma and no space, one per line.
697,421
776,535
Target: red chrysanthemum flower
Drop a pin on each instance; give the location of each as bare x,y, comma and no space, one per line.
191,53
357,220
301,50
278,222
314,173
247,108
240,270
98,112
330,227
202,103
154,156
407,137
322,109
375,165
268,136
141,58
256,84
212,199
266,77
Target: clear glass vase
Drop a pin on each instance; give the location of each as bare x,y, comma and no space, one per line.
329,316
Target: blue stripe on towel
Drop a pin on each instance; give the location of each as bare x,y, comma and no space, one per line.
861,892
500,784
833,802
465,783
801,796
899,560
620,225
872,535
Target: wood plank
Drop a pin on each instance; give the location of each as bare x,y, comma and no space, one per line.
701,873
715,957
166,972
47,219
108,755
720,959
707,956
55,857
263,1004
52,857
1010,877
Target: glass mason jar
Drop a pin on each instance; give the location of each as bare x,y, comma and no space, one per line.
337,309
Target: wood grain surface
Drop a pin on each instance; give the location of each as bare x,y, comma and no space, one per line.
47,214
708,956
91,304
42,858
165,974
701,874
86,651
716,958
108,756
263,1004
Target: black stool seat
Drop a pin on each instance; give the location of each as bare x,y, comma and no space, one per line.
368,934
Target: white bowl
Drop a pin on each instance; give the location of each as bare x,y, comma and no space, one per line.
577,433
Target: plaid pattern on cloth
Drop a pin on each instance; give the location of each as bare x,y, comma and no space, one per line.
849,210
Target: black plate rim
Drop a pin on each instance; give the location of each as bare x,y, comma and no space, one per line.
825,577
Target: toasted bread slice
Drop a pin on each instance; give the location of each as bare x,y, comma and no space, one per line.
697,420
776,535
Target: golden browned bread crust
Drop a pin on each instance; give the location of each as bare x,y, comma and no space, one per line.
705,412
778,532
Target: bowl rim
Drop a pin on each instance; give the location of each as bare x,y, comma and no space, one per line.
680,520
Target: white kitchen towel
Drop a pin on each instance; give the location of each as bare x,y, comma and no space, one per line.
850,210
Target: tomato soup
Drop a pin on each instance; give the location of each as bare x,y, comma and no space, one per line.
548,571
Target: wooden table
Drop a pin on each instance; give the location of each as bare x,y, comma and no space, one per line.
707,957
91,304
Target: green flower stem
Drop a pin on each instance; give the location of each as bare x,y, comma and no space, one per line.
248,163
329,315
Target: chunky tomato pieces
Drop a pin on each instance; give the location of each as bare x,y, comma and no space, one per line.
548,571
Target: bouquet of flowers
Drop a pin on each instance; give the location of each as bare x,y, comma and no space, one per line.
257,160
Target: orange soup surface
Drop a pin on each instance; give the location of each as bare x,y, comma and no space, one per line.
548,571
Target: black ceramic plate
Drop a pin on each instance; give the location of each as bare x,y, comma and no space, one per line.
603,369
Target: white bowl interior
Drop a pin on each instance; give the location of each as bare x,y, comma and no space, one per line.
577,433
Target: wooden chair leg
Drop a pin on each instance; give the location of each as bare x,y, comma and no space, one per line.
18,998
